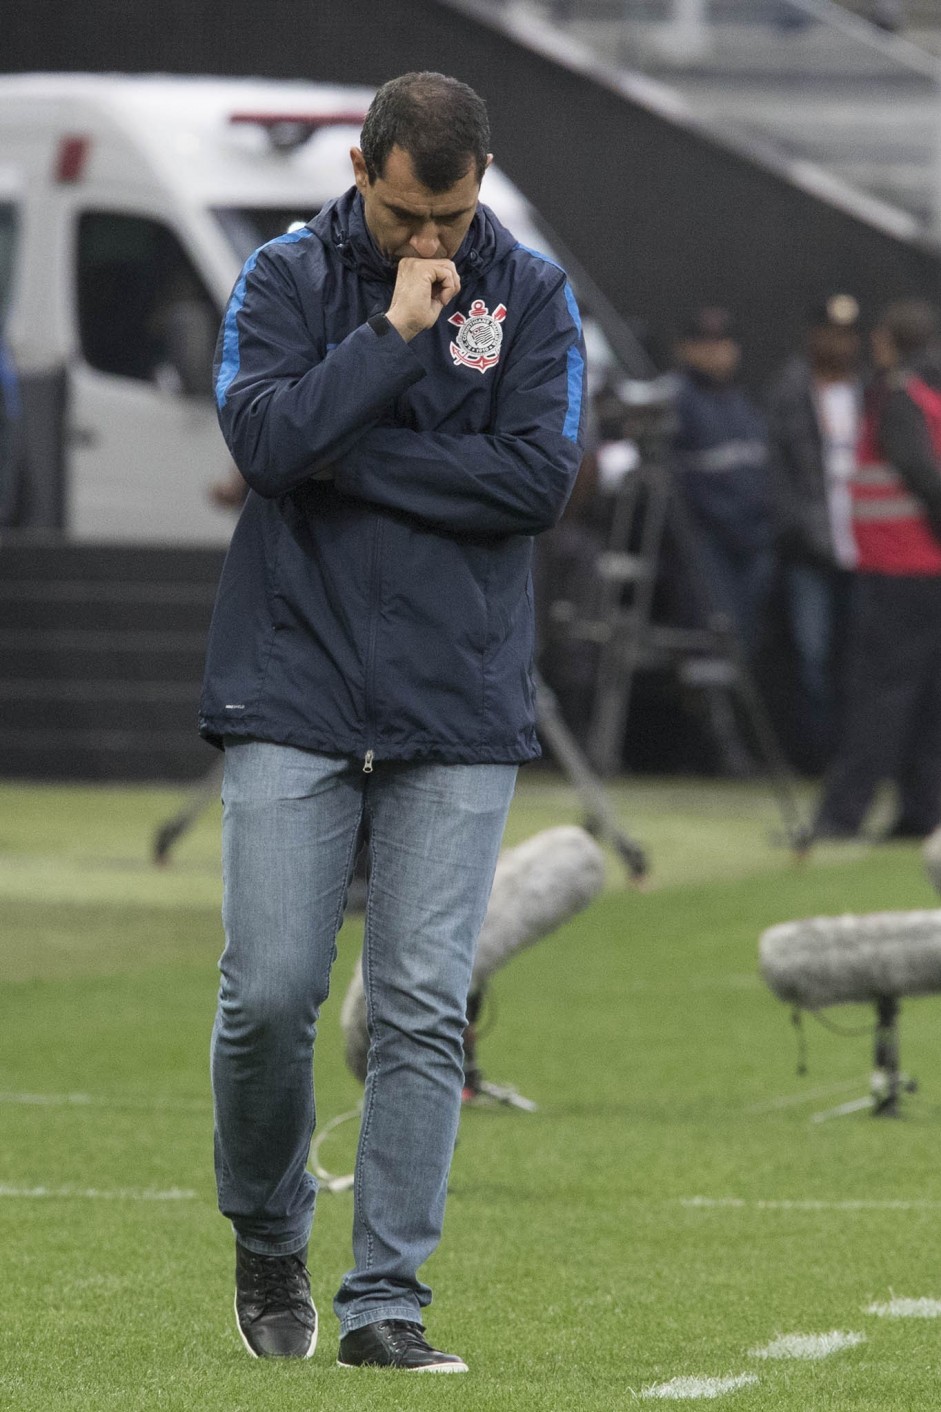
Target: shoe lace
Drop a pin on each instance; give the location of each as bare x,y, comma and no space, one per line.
406,1337
281,1282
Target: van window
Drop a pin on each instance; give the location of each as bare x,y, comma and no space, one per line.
247,227
143,311
7,249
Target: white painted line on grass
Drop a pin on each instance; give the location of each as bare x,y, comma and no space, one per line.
907,1309
71,1193
808,1346
807,1095
688,1389
44,1100
90,1100
843,1110
739,1203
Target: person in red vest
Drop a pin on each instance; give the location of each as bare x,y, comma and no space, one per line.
893,690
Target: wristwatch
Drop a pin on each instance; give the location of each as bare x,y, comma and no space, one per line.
380,325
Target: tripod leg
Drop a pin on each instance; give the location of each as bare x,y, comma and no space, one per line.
626,625
779,772
589,788
729,643
887,1057
203,793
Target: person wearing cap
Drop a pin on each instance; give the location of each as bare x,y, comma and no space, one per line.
720,448
720,466
893,716
814,412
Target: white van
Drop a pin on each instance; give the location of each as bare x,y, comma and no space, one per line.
127,207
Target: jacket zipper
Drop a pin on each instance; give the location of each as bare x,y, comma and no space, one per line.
374,596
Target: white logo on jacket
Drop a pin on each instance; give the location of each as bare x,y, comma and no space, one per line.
479,336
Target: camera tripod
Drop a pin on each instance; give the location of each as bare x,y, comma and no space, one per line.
600,817
629,639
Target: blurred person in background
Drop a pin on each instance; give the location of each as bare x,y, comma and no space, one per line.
721,465
723,565
892,727
814,414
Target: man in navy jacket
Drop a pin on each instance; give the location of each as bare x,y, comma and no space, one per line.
721,449
400,384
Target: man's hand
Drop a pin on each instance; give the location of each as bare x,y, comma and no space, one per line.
422,288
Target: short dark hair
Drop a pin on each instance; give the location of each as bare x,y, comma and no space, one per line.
911,324
441,123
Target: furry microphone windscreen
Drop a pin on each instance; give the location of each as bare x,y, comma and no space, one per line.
538,885
839,960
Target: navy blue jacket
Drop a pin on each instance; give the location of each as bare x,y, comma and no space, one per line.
721,449
377,592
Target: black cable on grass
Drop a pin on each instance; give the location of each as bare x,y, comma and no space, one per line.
844,1031
797,1020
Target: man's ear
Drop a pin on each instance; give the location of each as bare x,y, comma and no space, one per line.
360,175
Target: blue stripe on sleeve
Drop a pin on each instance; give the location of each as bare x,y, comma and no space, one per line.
229,367
576,373
575,362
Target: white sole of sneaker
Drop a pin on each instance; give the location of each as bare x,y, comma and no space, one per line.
313,1337
431,1368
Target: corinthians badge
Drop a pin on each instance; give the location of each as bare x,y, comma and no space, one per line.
479,336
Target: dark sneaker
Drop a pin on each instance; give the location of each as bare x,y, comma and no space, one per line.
902,830
273,1307
394,1343
825,831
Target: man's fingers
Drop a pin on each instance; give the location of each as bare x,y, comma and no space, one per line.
422,288
448,288
431,272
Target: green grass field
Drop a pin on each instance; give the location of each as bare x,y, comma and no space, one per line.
671,1209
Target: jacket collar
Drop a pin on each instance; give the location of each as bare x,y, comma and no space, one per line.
341,224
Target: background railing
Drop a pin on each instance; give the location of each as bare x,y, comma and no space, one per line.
819,81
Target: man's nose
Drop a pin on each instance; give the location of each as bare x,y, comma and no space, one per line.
425,243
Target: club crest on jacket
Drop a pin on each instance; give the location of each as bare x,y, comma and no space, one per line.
479,336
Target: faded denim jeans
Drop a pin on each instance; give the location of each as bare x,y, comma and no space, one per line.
292,823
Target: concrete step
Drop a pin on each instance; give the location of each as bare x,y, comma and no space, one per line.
102,607
102,651
49,655
47,559
102,755
138,708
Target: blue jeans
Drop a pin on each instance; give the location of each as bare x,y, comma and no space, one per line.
817,600
292,823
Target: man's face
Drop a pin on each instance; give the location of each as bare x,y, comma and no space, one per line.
834,350
716,358
405,219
